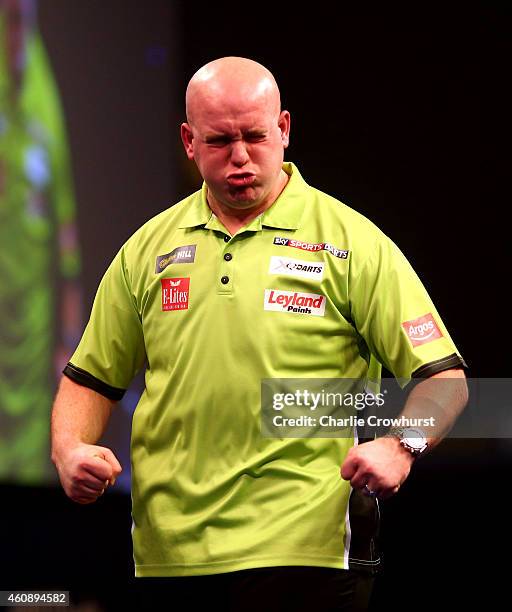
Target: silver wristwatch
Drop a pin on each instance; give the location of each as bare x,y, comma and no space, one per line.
413,439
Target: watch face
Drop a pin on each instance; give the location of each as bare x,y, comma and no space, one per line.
415,439
416,443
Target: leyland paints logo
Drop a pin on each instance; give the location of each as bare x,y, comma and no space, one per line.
293,301
422,330
175,293
296,267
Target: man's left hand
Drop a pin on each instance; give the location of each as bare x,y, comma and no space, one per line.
379,467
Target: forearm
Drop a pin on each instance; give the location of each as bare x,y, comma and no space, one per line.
79,418
383,464
440,399
80,415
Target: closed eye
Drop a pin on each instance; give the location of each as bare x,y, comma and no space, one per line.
256,137
218,141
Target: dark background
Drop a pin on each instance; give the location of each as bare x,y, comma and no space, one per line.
401,117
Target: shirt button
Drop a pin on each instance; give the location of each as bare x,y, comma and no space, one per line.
227,238
224,280
228,257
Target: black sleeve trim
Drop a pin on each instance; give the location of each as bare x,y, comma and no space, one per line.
88,380
446,363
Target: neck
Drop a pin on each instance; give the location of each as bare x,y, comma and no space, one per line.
234,219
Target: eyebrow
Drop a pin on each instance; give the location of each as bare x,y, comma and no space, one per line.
215,136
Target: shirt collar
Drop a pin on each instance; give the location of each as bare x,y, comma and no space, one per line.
285,212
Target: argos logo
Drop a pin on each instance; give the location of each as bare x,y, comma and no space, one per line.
422,330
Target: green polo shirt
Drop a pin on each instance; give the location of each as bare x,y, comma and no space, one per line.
310,288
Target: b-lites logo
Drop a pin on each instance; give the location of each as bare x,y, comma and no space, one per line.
296,267
175,293
309,246
422,330
293,301
181,254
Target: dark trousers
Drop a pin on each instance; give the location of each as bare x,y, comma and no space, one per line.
272,589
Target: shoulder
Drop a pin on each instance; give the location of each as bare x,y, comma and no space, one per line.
359,231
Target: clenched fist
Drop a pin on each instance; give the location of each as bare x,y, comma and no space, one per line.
86,470
379,466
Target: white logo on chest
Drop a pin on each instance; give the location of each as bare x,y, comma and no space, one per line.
294,302
297,267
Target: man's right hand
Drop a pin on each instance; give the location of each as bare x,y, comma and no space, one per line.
86,470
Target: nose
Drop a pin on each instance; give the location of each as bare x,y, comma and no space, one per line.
239,155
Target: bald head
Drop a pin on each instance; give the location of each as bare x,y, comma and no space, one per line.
232,79
236,133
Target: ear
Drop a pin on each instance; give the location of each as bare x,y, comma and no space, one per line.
188,140
284,125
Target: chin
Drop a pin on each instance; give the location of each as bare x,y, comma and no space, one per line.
243,199
241,204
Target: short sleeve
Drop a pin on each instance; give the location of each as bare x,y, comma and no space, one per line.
395,316
111,350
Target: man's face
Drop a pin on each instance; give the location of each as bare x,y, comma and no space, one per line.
238,145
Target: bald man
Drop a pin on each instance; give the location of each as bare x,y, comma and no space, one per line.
249,279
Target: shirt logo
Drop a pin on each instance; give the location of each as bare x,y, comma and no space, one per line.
309,246
296,267
175,293
181,254
293,301
422,330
